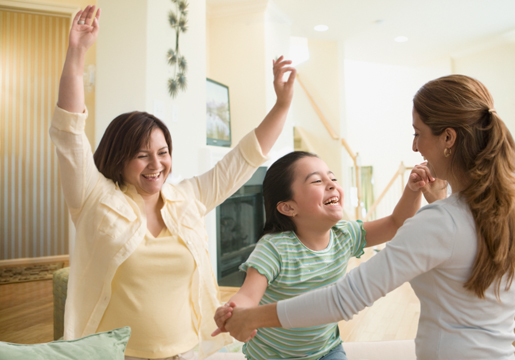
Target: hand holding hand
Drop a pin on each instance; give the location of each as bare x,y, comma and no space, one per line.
221,315
435,190
432,188
283,89
237,325
420,177
84,30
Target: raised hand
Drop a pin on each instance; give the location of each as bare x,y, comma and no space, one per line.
283,89
83,34
84,30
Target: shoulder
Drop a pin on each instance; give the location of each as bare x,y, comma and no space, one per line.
183,191
344,228
448,213
280,242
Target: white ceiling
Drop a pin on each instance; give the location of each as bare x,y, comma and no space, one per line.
435,28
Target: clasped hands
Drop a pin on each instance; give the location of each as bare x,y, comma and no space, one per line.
421,179
233,320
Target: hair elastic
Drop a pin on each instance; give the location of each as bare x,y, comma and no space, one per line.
492,111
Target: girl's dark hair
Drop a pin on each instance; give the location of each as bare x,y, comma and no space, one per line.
122,140
485,153
277,188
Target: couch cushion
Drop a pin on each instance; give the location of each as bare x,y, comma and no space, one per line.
381,350
109,345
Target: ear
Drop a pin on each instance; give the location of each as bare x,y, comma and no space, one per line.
286,208
449,137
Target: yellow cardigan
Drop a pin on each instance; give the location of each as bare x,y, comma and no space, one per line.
110,226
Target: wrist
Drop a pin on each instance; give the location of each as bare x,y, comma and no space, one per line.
76,51
282,104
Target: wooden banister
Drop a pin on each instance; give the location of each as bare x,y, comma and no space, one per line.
326,123
354,156
400,172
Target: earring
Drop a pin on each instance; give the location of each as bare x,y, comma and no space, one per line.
447,152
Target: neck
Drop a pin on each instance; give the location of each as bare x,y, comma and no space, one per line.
458,183
314,239
152,202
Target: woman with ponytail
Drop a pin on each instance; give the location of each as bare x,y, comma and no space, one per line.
458,252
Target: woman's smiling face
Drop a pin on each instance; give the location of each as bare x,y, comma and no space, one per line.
429,146
148,170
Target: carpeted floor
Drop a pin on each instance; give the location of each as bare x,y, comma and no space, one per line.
17,274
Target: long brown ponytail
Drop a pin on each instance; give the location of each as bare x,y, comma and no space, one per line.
485,153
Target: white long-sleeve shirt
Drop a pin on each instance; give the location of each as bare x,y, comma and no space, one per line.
435,252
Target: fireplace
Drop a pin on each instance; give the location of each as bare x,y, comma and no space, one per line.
239,223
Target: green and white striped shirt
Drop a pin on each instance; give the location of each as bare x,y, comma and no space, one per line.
293,269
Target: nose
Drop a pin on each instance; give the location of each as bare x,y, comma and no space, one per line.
414,146
330,186
153,161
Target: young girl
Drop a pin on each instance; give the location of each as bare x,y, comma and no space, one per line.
305,246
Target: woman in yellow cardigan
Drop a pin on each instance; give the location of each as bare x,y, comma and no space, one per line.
141,258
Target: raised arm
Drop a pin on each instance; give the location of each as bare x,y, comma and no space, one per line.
230,173
83,34
384,229
68,122
270,128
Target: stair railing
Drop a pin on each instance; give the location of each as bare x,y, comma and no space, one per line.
334,136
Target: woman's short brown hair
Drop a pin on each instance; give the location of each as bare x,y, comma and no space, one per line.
122,141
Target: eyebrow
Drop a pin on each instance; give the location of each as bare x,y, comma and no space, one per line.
146,151
316,173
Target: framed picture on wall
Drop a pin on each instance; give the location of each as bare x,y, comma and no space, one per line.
218,115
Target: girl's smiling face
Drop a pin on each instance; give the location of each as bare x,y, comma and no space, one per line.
317,196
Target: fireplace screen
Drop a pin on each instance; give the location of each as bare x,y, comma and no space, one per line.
240,220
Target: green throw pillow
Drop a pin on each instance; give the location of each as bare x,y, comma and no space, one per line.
109,345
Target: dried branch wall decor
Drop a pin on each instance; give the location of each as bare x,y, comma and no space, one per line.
178,21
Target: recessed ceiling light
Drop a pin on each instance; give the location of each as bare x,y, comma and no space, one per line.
321,28
401,39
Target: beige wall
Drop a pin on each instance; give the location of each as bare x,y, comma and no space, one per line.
133,73
379,122
494,67
321,77
242,41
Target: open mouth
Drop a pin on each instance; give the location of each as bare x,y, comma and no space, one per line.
152,176
332,201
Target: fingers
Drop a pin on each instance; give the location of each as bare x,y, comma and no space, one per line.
89,15
77,17
292,76
96,19
422,173
222,314
216,332
83,15
280,67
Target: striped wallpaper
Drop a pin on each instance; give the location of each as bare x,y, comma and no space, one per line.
33,215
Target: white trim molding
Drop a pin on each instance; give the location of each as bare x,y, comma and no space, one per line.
39,6
35,261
